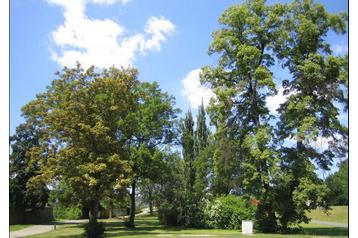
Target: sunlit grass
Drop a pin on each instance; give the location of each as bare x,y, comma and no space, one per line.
337,214
149,227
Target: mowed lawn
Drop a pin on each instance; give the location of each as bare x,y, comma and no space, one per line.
149,227
18,227
337,214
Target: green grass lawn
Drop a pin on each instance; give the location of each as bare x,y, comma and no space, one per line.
337,214
149,227
18,227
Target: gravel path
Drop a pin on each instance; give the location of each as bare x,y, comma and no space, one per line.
32,230
38,229
330,223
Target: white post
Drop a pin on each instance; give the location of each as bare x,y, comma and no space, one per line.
247,227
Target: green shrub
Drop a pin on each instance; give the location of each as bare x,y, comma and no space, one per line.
168,214
227,212
94,229
61,212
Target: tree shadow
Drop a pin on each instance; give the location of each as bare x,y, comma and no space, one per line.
144,226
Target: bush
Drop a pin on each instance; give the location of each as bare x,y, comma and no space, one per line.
61,212
168,214
227,212
94,229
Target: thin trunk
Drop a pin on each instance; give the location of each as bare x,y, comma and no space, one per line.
110,215
132,215
150,203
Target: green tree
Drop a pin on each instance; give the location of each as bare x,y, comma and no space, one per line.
338,185
244,159
23,194
153,127
169,189
85,117
187,141
202,131
318,83
203,152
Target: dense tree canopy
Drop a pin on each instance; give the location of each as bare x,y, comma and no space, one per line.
250,157
83,114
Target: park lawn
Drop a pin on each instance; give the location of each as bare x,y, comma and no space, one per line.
149,227
337,214
18,227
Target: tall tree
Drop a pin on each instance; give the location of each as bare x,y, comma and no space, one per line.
23,194
202,153
187,142
202,131
318,84
85,117
241,82
153,127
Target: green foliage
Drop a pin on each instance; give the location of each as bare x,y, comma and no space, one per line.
64,212
227,212
248,154
94,229
245,160
23,169
168,214
311,110
83,114
338,185
153,126
187,142
169,189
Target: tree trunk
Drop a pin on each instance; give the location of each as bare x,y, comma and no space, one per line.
93,211
150,203
132,215
110,215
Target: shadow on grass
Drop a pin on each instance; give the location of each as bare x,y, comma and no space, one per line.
144,226
326,231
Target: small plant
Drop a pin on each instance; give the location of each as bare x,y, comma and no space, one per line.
94,229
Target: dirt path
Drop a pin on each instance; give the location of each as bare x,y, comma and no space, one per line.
330,223
32,230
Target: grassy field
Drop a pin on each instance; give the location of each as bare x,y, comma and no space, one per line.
337,214
149,227
18,227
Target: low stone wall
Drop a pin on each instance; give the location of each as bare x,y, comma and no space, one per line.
44,215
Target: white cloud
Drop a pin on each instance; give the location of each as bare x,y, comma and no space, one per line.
193,91
339,49
274,102
102,42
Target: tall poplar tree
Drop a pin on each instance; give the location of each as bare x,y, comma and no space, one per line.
202,153
187,142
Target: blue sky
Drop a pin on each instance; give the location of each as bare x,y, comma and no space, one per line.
166,40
